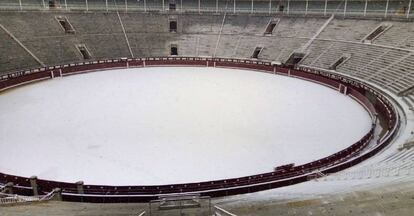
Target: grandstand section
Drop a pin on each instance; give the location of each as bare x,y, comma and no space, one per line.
197,35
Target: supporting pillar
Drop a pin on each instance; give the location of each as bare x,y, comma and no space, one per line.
43,3
346,3
181,6
199,6
326,7
386,8
365,8
106,5
126,5
57,194
33,183
288,7
8,188
252,7
87,5
145,5
343,89
270,6
66,5
234,6
163,8
20,5
79,187
307,6
409,9
216,6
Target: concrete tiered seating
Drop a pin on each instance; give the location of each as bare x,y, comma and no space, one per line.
13,57
372,61
101,33
298,27
204,35
31,24
197,24
54,50
101,45
143,23
401,34
387,67
95,23
390,68
323,54
401,73
398,165
355,29
315,51
43,36
281,48
206,45
236,24
256,25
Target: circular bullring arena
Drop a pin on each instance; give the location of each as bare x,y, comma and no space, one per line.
153,125
163,143
206,108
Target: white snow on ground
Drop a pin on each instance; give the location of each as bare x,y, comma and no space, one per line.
171,125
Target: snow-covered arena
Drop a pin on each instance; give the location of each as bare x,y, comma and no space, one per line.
206,107
164,125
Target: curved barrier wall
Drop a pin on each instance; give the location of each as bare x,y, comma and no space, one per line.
379,108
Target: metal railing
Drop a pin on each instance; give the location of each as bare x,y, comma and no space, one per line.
8,199
361,8
218,211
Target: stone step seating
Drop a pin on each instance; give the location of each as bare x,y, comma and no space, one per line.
401,34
